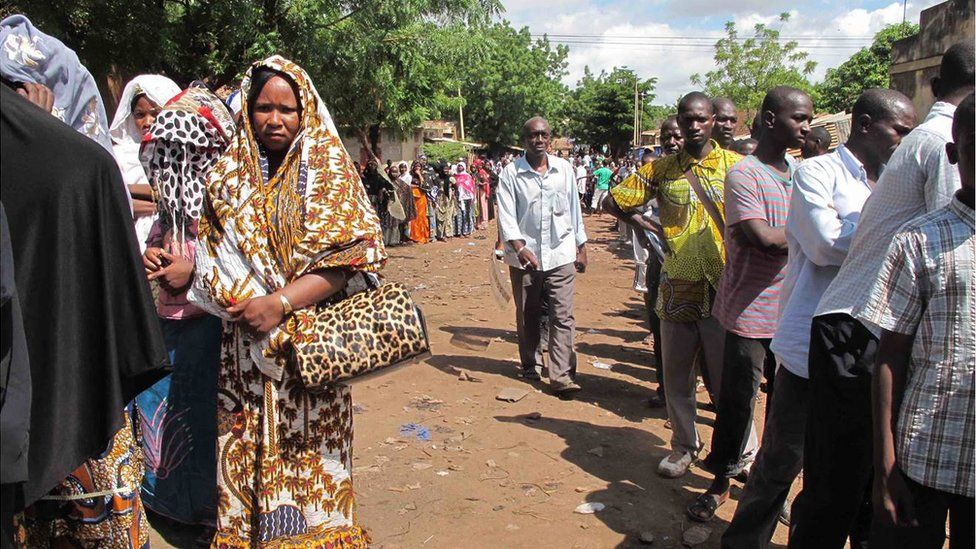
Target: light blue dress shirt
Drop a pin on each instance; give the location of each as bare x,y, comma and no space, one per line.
541,209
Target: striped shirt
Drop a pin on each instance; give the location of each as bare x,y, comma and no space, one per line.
926,288
747,303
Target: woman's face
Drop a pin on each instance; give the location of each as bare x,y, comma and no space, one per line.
144,113
276,118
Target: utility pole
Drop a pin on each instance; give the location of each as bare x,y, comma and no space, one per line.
461,112
636,140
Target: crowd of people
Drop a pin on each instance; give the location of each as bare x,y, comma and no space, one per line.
157,269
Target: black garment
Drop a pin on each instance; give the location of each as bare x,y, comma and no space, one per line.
652,280
93,336
747,361
837,464
777,465
15,391
931,508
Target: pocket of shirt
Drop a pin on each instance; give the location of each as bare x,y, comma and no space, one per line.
560,205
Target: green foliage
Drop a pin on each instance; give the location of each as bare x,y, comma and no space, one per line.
748,68
444,152
868,68
602,108
655,115
375,62
506,78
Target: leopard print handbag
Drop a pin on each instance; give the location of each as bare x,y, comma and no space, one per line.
369,332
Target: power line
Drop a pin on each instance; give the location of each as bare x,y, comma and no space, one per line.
708,37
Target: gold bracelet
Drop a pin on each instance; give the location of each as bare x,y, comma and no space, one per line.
285,304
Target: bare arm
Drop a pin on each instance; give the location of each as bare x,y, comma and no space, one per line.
892,501
266,312
758,233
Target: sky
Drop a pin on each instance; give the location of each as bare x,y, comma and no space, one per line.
673,39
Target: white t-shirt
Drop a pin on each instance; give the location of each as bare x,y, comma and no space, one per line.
581,179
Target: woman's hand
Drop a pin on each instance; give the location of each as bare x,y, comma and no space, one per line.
260,313
176,275
152,259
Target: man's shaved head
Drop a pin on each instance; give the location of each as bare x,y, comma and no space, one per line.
781,97
722,102
956,73
694,98
534,122
881,104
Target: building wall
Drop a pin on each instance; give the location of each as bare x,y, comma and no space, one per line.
916,59
392,146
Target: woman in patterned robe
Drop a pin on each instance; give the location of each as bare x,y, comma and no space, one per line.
287,225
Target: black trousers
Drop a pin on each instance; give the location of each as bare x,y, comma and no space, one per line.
747,362
777,465
652,280
837,457
931,508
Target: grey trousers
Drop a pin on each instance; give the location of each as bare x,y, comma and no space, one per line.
529,289
680,342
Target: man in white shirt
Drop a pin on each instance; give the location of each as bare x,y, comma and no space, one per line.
917,179
581,178
828,194
541,224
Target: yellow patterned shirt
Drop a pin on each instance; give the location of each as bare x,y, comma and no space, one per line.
692,269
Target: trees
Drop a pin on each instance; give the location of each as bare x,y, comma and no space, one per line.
868,68
505,79
375,62
602,107
748,68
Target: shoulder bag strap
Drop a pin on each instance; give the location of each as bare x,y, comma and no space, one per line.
706,201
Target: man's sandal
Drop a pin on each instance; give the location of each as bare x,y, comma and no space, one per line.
704,507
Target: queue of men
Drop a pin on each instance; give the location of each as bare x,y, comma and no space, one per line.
805,275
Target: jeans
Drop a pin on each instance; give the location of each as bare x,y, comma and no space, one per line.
463,221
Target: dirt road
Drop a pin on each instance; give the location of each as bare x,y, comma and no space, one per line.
498,474
490,474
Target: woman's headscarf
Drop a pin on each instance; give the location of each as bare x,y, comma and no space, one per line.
185,141
29,55
125,135
464,182
259,234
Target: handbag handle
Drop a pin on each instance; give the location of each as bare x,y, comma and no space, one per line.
706,201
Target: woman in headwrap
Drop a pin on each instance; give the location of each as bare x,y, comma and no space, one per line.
141,101
420,226
288,226
445,203
32,56
482,180
401,185
466,195
178,414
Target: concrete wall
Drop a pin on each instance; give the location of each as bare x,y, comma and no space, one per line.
392,146
915,60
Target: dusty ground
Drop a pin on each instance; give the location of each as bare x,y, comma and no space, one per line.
491,475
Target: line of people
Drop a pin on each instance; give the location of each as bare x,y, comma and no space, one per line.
845,282
247,213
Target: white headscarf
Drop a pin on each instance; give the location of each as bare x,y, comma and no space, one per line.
127,137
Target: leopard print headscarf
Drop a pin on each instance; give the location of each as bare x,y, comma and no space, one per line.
184,143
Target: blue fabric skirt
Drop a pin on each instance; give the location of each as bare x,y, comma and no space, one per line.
178,421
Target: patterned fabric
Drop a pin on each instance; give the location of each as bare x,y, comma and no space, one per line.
284,458
178,424
420,226
185,141
925,288
284,464
97,506
29,55
747,301
697,251
917,179
313,214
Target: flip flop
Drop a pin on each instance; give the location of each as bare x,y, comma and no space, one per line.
704,507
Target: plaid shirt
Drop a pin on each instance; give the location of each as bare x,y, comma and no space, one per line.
926,288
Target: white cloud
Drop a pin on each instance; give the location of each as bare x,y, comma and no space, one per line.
825,33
